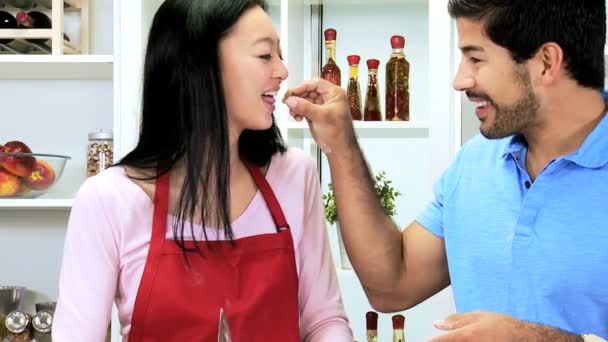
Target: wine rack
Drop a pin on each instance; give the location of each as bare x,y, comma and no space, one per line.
56,44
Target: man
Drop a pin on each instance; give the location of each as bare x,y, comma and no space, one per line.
519,223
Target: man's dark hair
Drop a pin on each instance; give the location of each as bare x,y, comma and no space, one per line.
523,26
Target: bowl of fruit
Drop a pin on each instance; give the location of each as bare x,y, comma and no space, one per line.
24,174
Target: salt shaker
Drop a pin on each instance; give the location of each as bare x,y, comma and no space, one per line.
100,152
19,326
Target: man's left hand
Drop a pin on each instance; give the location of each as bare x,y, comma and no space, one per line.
478,326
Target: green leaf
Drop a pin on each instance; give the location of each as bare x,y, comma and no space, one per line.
384,189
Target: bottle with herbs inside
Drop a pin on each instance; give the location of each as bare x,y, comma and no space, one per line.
353,90
330,70
371,326
398,328
372,100
397,83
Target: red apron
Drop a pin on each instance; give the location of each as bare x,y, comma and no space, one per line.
255,282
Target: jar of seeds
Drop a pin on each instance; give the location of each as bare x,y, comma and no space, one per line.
100,152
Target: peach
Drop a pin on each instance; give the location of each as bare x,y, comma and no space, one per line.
41,177
19,165
9,184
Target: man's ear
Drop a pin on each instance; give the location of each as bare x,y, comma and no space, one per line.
550,62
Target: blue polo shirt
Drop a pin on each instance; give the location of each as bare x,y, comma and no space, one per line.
537,251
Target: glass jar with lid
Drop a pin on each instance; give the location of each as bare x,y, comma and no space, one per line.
100,152
19,326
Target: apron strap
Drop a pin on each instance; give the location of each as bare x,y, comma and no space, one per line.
161,208
159,228
271,200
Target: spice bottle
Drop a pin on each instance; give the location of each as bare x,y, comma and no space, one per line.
43,321
372,101
353,91
397,83
398,328
371,326
100,152
330,70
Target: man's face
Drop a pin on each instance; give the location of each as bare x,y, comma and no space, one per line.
489,76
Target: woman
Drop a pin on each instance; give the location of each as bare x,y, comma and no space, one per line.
209,213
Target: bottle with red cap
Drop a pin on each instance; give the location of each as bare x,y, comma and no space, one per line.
397,83
371,324
372,100
331,71
353,90
398,328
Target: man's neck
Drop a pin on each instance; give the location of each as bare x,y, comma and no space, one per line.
564,125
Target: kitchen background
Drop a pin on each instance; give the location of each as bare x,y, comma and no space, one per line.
52,103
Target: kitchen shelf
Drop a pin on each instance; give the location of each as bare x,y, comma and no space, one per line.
363,2
36,203
363,125
370,129
56,67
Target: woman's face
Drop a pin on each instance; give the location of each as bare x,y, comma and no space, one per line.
252,71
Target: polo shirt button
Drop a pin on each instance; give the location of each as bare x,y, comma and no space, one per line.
527,184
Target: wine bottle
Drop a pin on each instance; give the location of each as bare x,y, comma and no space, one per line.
36,20
7,21
398,328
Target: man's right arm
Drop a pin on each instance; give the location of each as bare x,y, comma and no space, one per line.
397,269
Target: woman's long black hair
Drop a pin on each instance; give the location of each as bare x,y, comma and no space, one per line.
184,110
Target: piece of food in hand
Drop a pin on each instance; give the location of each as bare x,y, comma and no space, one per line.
287,94
19,165
41,177
10,185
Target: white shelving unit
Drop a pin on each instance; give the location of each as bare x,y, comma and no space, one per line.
366,125
51,102
38,204
50,67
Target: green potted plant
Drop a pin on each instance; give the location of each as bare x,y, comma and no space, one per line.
387,195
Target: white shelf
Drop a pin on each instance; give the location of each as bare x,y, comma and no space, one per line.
366,125
42,67
363,2
37,203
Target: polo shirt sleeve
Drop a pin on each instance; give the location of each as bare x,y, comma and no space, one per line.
432,217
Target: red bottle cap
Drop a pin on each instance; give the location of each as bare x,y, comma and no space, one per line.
371,320
398,322
353,59
330,34
373,63
397,42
